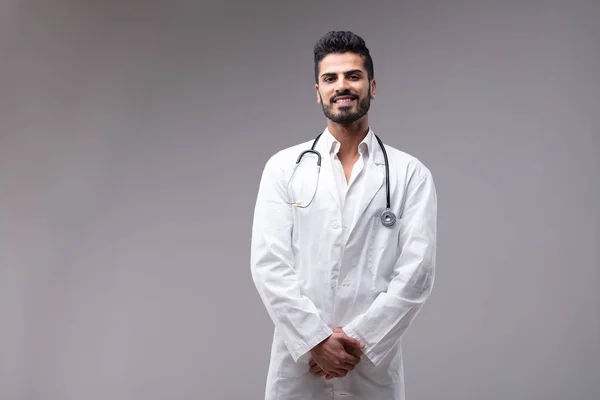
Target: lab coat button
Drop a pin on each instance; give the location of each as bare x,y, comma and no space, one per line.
335,225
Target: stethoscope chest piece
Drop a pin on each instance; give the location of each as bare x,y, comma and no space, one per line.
388,218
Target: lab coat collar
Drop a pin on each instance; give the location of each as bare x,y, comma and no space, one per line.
369,144
334,145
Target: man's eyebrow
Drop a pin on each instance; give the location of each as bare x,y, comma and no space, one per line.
352,71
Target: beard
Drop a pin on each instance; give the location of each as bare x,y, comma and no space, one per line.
347,115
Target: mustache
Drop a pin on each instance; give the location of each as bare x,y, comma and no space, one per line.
345,93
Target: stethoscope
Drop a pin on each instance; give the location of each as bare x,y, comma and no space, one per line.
388,218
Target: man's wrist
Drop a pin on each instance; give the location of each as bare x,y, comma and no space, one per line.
317,346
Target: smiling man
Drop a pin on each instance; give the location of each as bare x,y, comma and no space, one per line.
343,244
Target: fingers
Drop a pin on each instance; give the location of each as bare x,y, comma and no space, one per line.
339,372
333,360
347,358
343,360
355,353
343,367
349,367
316,370
357,344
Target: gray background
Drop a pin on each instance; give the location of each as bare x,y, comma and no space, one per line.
133,135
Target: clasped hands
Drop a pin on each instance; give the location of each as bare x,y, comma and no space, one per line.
335,356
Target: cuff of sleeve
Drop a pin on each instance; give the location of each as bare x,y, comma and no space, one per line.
303,348
368,350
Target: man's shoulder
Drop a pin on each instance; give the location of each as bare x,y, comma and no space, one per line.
404,161
289,154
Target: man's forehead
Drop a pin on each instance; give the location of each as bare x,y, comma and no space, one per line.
341,63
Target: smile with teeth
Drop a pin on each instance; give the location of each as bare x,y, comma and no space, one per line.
345,100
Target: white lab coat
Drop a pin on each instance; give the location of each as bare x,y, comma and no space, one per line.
372,286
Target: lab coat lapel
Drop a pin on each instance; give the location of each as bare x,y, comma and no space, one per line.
327,176
374,180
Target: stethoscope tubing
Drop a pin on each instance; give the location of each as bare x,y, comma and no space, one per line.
388,218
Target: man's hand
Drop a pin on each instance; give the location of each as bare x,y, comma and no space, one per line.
357,352
335,356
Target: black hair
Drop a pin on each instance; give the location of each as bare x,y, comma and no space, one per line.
342,42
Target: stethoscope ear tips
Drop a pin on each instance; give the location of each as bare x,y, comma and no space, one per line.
388,218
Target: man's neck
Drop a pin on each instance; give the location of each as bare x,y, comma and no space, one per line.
349,137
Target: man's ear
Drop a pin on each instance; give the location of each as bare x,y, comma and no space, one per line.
373,88
318,94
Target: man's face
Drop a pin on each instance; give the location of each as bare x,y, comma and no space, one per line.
343,88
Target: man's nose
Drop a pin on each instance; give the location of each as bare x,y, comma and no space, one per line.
342,84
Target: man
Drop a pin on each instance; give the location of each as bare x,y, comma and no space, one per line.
340,280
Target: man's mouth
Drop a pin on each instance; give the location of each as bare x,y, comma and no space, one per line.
344,99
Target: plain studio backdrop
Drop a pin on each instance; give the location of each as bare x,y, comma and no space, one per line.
133,136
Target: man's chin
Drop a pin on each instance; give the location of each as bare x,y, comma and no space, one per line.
345,119
346,106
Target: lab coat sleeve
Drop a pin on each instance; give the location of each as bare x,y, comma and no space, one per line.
272,265
386,320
